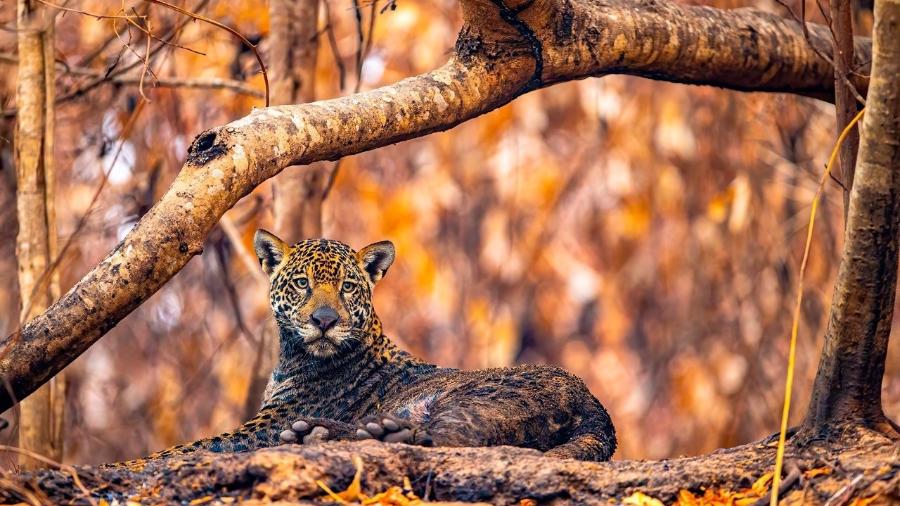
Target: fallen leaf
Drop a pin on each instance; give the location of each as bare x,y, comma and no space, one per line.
641,499
819,471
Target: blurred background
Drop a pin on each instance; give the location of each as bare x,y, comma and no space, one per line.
645,236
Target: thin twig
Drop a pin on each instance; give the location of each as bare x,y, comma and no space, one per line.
113,17
795,475
28,495
16,408
802,21
145,58
233,299
200,17
822,10
149,33
845,493
84,13
839,182
368,48
391,4
332,176
247,258
332,43
360,42
88,58
214,83
114,71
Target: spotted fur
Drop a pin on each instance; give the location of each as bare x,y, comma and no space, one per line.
344,374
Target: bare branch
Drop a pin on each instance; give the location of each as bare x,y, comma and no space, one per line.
821,54
209,83
98,81
200,17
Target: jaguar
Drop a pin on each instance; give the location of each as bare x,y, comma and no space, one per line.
339,377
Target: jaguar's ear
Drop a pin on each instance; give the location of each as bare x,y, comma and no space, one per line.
376,258
270,250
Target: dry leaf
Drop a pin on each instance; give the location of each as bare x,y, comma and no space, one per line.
641,499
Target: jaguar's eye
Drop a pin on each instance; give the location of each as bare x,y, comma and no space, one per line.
302,282
347,286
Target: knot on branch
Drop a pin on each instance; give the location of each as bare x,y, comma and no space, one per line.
205,149
501,29
511,16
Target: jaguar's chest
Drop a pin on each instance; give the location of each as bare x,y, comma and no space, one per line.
345,399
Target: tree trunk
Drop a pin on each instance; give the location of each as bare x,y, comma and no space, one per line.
295,45
848,381
503,51
845,103
39,420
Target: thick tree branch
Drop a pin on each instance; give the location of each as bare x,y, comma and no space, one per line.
504,50
742,49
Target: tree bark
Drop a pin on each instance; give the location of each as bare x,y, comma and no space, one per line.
39,415
845,103
500,475
295,45
848,380
503,51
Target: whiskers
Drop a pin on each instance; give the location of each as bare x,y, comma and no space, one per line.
302,342
348,341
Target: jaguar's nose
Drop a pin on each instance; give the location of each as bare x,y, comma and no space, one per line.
324,317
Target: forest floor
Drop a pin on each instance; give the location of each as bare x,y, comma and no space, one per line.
862,469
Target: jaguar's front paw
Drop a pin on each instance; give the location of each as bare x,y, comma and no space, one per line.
308,431
391,429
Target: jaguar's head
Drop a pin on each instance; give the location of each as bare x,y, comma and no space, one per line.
321,291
